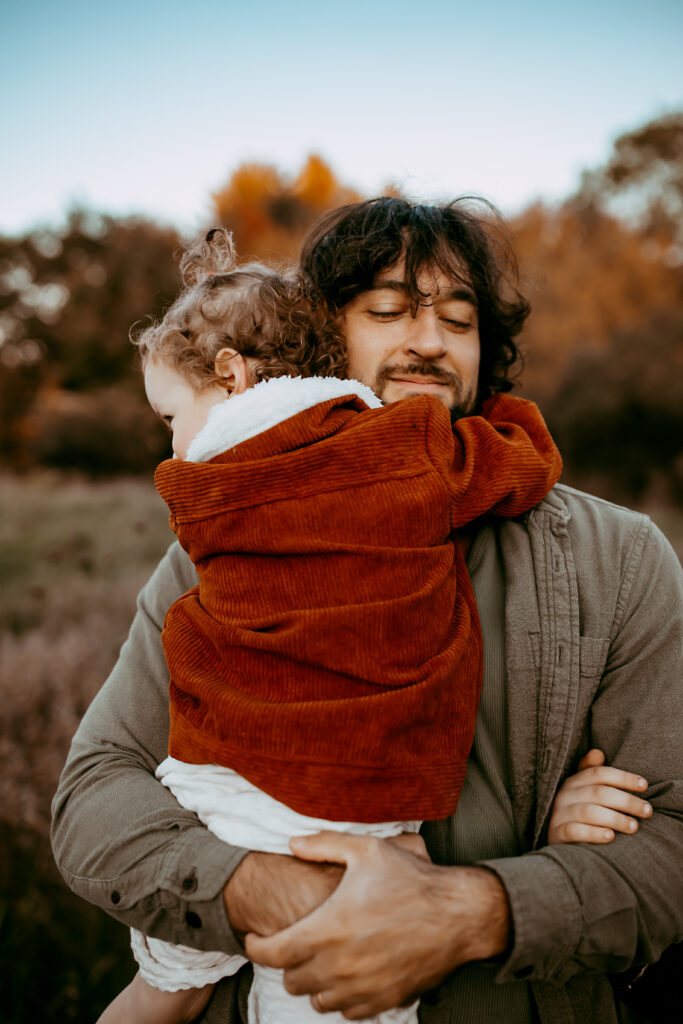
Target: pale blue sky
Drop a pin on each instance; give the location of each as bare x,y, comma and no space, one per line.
148,106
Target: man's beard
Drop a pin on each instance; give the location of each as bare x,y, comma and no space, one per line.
462,403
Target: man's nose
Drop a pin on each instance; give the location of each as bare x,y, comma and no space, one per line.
425,337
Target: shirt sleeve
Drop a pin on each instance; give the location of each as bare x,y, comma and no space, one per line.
119,837
605,908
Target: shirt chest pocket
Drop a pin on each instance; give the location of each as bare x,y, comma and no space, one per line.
593,653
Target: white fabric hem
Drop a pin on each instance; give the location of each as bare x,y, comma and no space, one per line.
242,815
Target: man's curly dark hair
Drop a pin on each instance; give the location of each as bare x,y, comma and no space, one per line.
466,240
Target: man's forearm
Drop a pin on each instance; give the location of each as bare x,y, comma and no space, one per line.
270,891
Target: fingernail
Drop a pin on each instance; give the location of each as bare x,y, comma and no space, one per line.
632,826
647,808
607,834
642,783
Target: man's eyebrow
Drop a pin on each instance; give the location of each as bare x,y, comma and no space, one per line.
462,294
459,294
391,285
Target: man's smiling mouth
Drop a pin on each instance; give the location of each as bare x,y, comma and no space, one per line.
428,383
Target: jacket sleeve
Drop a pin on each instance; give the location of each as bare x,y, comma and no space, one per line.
605,908
119,837
502,462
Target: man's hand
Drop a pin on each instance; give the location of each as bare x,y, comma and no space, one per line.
393,928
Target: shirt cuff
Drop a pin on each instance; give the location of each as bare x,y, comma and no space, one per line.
178,899
545,914
194,876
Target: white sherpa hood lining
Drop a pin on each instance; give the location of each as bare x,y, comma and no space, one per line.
264,406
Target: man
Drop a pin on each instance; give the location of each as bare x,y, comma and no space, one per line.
581,616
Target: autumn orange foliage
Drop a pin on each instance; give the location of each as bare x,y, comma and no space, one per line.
269,213
588,276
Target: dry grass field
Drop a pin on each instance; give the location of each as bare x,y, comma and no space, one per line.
72,557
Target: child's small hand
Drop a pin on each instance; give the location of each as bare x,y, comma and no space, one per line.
595,803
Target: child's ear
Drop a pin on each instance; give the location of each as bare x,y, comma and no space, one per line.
233,368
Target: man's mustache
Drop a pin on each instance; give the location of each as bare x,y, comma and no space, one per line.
420,368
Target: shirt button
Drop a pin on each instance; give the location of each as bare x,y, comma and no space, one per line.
189,883
193,920
115,897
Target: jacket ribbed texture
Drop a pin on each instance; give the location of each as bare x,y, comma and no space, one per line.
331,653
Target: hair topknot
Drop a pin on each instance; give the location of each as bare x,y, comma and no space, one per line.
270,316
210,255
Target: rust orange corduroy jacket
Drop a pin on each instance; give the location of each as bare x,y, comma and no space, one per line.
331,652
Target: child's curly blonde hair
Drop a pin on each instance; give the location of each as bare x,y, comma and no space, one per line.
254,309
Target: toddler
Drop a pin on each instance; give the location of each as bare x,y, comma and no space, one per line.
325,672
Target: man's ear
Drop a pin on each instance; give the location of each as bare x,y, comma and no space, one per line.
233,369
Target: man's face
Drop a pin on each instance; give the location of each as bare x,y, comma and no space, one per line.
434,352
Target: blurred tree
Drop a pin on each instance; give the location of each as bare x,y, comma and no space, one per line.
251,205
605,339
68,298
101,432
588,275
269,214
626,399
67,302
643,181
317,187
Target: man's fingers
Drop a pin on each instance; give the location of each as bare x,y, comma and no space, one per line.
301,980
412,842
370,1008
333,847
284,949
355,1004
323,1001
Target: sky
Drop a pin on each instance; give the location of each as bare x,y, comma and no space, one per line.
147,107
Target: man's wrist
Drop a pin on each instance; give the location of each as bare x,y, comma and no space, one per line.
236,895
479,897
